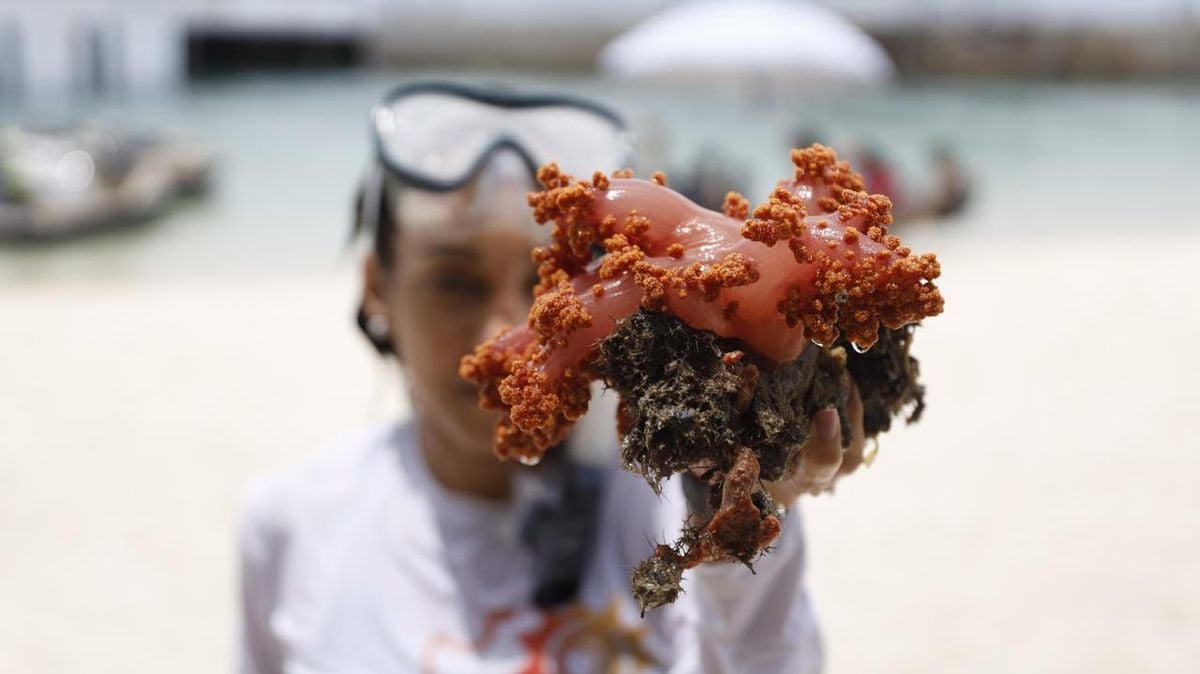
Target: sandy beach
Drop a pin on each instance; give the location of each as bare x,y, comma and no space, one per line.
1040,518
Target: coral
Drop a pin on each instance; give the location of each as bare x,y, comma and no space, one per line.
723,333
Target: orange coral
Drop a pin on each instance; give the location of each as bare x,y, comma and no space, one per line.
736,206
558,313
844,277
818,163
780,219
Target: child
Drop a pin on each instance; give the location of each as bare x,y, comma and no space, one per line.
410,548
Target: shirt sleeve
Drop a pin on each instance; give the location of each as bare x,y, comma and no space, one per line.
754,621
259,551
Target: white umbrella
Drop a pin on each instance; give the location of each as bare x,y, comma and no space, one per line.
774,40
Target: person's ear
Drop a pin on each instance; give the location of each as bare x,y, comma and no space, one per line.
373,315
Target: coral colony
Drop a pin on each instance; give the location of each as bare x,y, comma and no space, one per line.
723,333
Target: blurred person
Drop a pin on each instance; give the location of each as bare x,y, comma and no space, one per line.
409,547
880,176
953,185
808,135
950,191
713,176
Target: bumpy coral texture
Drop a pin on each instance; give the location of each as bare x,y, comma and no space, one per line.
813,263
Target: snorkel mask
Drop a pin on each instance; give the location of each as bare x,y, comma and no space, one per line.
442,137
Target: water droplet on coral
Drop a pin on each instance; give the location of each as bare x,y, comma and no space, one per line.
529,460
804,191
859,349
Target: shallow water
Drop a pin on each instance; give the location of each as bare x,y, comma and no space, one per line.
1047,159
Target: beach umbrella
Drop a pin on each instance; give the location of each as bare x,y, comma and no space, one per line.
757,40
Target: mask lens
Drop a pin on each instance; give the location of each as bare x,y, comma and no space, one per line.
495,198
579,140
435,135
437,138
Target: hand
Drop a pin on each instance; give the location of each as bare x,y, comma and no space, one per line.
822,459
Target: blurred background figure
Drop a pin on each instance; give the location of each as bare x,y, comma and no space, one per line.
147,372
879,174
937,190
709,178
59,182
951,188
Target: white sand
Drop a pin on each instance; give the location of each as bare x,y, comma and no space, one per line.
1041,518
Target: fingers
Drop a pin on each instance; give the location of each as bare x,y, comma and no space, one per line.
854,453
822,459
706,472
822,454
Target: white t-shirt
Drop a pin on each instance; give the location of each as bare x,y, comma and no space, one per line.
358,561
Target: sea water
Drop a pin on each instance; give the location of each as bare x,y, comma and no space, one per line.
1044,159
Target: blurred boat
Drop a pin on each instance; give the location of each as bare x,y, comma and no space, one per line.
68,181
780,43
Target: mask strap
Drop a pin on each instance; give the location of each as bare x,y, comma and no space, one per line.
372,201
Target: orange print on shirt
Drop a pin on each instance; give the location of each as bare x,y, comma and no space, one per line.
544,643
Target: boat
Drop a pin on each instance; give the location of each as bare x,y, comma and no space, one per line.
68,181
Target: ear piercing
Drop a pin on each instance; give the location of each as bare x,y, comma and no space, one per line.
377,326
